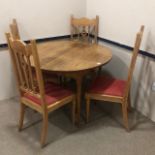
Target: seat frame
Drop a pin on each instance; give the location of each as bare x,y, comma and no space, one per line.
125,99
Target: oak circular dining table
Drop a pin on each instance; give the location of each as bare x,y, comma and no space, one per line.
74,59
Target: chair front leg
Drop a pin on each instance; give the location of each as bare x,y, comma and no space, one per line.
125,115
129,103
21,119
44,129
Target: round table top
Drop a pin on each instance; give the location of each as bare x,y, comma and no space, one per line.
71,56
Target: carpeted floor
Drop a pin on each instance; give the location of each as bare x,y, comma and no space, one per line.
104,135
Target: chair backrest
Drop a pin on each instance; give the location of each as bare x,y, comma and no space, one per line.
14,29
133,60
84,29
22,55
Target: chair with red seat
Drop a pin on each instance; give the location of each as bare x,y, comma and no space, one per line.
43,98
106,88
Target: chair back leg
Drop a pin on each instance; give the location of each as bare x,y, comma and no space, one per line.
21,117
44,129
73,111
87,109
125,115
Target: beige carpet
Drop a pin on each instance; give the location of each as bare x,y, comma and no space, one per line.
104,135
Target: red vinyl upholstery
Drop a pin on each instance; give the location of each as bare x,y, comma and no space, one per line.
53,93
107,86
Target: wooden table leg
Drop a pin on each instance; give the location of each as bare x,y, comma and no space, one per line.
78,93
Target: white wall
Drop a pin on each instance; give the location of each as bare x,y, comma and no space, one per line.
121,19
7,80
40,18
36,19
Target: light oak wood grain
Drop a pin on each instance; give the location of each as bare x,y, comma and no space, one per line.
72,56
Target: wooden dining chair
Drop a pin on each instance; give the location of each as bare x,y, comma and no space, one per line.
106,88
84,29
43,98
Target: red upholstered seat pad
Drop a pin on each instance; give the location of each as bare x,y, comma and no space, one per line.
53,92
108,86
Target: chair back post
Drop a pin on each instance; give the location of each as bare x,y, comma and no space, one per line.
71,24
22,54
8,35
38,73
14,29
133,60
96,28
